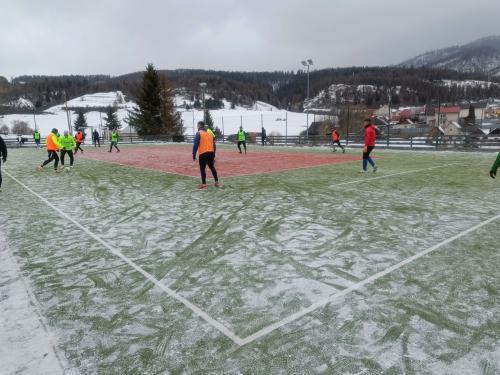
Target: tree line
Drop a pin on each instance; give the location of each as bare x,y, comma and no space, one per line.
283,89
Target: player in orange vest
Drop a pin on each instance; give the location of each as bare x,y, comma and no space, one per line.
336,140
79,137
204,143
53,145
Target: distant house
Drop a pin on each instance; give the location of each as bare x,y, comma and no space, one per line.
479,109
383,111
405,124
430,115
451,128
446,115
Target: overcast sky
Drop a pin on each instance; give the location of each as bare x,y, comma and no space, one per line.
120,36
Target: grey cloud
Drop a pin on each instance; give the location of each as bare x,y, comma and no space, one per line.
115,37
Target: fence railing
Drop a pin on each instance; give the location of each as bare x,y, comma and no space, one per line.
458,143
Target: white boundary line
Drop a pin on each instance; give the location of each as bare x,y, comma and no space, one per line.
368,179
299,314
195,309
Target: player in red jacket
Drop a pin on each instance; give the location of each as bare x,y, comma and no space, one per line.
370,137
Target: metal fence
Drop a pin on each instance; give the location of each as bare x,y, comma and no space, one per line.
421,142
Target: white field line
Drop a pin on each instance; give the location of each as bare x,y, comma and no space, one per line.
196,310
368,179
272,327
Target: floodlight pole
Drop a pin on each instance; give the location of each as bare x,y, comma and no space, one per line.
308,64
204,86
34,117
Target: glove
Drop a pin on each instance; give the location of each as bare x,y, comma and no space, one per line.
194,157
493,174
4,159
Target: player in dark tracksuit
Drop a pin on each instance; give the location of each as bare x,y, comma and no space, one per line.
3,157
204,144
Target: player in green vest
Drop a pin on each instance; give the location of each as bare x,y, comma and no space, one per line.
114,141
36,137
242,137
67,143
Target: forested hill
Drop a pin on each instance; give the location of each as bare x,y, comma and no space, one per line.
282,89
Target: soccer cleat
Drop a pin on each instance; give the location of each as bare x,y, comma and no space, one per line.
375,169
217,184
202,186
362,171
343,150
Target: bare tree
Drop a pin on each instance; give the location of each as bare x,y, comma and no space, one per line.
21,128
4,129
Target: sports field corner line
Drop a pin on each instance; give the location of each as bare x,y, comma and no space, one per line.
195,309
299,314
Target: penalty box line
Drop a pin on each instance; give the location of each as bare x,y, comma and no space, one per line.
272,327
195,309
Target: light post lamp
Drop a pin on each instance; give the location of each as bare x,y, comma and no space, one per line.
204,87
308,63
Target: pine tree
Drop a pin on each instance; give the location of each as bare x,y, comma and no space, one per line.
112,122
170,118
218,133
80,122
146,117
209,122
155,113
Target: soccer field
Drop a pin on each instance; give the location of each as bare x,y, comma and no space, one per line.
318,270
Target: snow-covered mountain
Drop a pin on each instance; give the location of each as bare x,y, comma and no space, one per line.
341,93
480,56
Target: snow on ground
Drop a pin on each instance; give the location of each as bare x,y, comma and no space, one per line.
25,345
101,99
228,120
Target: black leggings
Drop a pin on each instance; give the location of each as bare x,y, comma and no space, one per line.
70,153
52,157
244,145
0,174
208,158
78,147
338,143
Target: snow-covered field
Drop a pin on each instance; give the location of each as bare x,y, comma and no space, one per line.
311,271
228,120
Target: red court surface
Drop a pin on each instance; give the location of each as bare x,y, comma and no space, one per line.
178,160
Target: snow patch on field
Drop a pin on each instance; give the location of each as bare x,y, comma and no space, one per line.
25,345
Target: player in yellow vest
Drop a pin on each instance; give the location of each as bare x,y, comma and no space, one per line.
67,143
